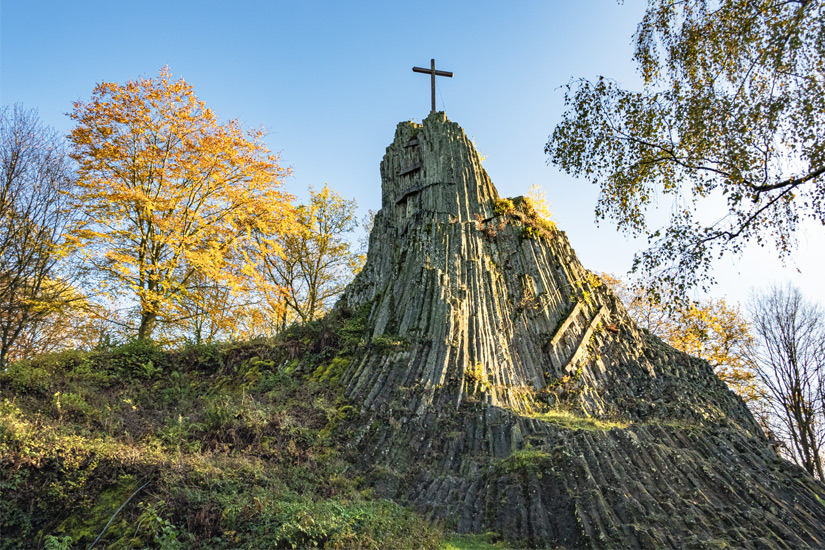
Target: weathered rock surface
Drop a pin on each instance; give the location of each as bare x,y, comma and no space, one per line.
503,388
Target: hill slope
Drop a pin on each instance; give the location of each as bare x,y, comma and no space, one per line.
229,446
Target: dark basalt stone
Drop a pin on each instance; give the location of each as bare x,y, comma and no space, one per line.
512,408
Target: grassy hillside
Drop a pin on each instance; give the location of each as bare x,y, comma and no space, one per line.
220,446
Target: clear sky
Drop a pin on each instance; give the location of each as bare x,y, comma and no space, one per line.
330,80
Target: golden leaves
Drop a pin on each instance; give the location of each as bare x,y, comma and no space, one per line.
538,201
169,193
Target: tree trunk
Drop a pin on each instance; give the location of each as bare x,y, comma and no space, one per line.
147,325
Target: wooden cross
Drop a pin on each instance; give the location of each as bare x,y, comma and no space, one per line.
433,73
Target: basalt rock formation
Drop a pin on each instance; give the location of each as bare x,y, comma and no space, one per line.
504,388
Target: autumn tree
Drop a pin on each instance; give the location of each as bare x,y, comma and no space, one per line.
203,314
730,120
647,310
711,330
722,335
35,172
318,261
212,310
170,195
537,199
790,361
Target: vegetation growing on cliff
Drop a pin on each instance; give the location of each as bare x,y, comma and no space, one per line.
532,211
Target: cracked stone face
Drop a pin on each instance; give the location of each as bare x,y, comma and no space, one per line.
495,327
486,305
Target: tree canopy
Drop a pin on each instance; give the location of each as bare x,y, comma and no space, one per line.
732,113
318,260
35,174
170,196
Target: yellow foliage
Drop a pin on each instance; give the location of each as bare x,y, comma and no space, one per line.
719,334
171,196
71,322
536,198
318,260
474,375
502,206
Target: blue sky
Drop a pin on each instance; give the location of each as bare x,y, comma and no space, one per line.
330,80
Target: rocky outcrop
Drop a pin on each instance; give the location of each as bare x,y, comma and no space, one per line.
504,388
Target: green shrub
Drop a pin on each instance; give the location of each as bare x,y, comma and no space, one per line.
35,377
352,328
334,524
386,343
163,532
530,232
141,359
73,405
50,542
522,460
502,206
15,516
180,434
219,412
12,423
277,381
200,357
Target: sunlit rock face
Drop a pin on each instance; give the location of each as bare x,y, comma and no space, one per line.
504,388
478,302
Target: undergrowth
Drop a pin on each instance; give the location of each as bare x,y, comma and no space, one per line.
486,541
214,446
533,224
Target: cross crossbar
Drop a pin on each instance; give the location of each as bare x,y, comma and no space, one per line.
433,73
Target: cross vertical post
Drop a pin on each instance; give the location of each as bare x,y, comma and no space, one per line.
432,84
433,73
